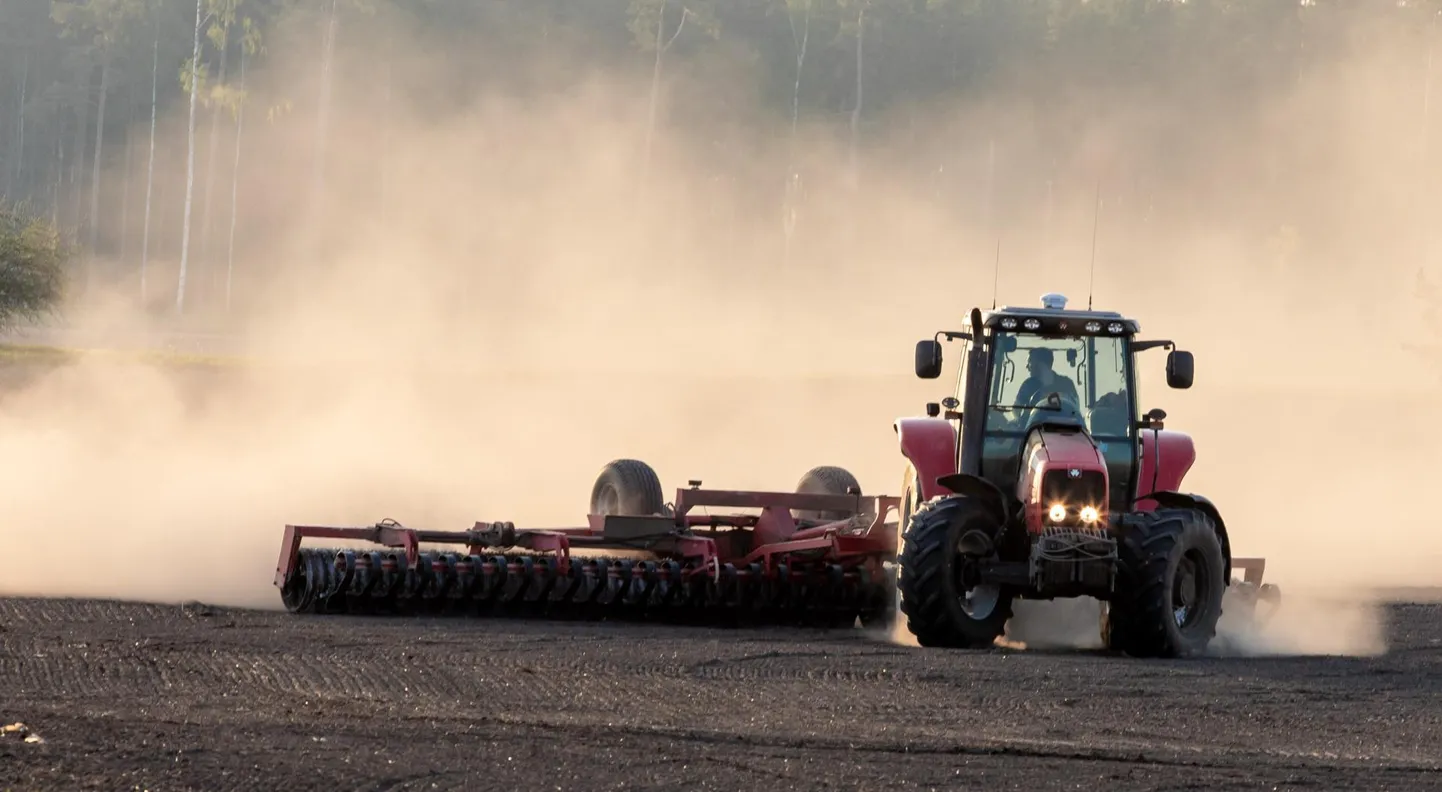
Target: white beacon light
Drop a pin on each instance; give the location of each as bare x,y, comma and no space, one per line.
1053,301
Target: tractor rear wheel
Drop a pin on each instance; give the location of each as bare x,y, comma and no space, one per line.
944,603
627,487
1170,584
826,480
910,502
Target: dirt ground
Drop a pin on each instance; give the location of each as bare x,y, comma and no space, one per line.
181,697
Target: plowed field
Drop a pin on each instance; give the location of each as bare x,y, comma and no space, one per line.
170,697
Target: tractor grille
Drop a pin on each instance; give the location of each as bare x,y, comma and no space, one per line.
1070,562
1070,557
1087,488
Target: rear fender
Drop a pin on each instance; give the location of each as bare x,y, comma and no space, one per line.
930,445
1176,454
1184,500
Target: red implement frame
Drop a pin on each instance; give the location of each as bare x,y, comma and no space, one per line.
773,533
1252,569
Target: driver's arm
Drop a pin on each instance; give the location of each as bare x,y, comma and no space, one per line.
1027,393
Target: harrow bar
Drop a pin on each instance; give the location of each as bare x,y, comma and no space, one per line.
738,568
1258,601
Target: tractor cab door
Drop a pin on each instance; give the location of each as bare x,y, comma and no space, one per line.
1110,396
957,407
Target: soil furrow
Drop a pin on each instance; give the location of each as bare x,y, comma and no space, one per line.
197,697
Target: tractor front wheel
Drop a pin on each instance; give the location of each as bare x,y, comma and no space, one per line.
1170,584
944,603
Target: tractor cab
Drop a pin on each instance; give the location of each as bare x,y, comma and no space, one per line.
1048,366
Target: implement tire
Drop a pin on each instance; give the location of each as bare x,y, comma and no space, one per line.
1170,584
826,480
627,487
940,610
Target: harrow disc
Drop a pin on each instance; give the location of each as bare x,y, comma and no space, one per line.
1257,603
527,585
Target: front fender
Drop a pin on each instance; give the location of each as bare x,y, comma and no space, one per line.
930,445
1186,500
982,490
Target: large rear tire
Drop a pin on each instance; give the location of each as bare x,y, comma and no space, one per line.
826,480
627,487
942,608
1170,583
910,502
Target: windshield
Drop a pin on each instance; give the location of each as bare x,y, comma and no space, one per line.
1035,378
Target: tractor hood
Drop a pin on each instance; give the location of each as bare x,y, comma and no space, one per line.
1064,482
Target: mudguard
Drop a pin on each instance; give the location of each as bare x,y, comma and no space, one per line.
1186,500
982,490
930,445
1177,454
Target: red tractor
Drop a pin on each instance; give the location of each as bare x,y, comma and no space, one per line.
1038,479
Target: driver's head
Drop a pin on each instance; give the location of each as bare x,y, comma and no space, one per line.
1038,364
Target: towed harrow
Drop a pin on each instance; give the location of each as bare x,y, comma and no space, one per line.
816,556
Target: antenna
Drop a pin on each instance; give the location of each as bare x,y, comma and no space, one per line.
996,273
1096,216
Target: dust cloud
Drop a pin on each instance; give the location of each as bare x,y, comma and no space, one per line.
1307,621
470,326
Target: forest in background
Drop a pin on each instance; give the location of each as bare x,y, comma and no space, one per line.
144,130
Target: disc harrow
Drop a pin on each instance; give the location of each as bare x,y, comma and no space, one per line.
674,566
1258,601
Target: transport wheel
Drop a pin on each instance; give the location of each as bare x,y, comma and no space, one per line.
627,487
944,604
826,480
1169,584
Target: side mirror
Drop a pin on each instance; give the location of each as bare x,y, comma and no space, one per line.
928,359
1180,369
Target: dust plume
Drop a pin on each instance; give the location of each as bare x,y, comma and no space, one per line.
1308,622
498,291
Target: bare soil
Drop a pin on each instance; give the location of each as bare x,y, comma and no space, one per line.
182,697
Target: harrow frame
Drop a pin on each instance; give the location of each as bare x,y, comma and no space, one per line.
768,566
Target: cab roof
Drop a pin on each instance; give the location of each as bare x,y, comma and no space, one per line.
1053,317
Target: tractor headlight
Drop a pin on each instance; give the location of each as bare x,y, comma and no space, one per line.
1089,514
1057,512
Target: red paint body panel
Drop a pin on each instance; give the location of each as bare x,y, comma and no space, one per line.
930,445
1073,450
1057,451
705,542
1178,454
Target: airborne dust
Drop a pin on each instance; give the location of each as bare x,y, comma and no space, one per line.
524,301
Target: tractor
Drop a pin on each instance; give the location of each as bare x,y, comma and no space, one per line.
1038,479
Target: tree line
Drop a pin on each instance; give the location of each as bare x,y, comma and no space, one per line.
87,85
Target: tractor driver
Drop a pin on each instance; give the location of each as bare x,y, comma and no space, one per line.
1043,381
